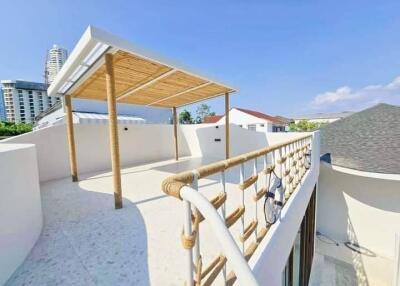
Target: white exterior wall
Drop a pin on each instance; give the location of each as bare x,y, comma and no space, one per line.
244,120
20,206
365,210
241,118
200,140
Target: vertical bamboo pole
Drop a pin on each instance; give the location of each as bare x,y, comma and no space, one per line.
175,132
71,138
113,130
227,137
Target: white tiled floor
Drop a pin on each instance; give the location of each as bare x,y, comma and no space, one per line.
86,242
328,271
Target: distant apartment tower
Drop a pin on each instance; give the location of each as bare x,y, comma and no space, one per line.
2,108
24,100
56,58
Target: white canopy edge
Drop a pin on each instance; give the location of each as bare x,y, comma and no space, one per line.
102,119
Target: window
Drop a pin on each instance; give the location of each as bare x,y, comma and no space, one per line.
262,125
278,128
252,127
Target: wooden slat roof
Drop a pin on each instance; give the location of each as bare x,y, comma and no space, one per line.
139,79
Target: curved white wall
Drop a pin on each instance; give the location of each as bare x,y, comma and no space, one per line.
20,205
363,209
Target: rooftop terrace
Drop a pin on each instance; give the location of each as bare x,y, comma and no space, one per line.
85,239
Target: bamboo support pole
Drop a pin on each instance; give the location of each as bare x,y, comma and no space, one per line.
175,120
71,138
227,135
113,130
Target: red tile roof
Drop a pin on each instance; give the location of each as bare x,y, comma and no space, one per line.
212,118
260,115
216,118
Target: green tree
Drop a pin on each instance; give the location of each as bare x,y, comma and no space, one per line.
305,125
12,129
185,117
202,111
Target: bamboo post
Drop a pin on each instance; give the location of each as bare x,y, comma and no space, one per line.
175,120
71,138
113,130
227,137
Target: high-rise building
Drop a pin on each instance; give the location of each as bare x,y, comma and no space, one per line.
24,100
2,108
56,58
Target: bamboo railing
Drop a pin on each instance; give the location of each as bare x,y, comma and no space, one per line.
285,162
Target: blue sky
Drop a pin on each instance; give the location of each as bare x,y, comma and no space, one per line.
286,57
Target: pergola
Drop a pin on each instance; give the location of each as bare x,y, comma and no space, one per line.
104,67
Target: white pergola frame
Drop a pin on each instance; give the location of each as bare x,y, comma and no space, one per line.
95,49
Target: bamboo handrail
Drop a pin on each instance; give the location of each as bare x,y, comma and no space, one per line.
286,166
248,182
173,184
234,216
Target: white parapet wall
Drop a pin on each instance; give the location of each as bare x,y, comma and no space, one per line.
138,144
21,217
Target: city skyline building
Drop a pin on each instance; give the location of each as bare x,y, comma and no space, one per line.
24,100
2,108
55,59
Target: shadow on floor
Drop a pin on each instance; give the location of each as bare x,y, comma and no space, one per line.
85,241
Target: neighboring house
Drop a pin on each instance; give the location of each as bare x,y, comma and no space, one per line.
250,119
212,118
359,194
322,117
285,120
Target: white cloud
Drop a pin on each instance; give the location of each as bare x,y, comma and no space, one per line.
344,98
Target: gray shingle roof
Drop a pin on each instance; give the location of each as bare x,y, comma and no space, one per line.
368,140
324,115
